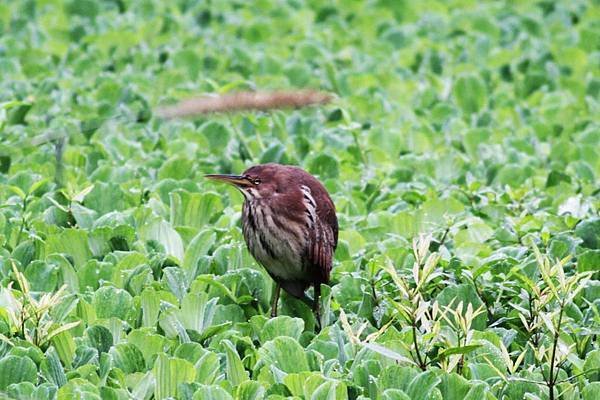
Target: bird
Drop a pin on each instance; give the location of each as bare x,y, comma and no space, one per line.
290,227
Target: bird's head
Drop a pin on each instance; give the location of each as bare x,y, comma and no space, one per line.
259,181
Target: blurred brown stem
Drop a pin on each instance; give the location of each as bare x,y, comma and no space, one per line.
244,101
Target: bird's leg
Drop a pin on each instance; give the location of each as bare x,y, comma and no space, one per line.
317,305
275,300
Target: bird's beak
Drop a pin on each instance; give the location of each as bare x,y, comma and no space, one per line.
236,180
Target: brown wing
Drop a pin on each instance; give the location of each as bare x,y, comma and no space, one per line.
324,237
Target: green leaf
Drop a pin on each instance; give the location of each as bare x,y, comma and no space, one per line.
169,373
66,272
109,393
384,351
72,242
16,190
196,250
556,177
17,369
79,388
474,138
589,231
477,391
457,350
163,233
190,351
176,281
589,260
518,389
330,390
19,391
281,326
105,198
148,342
364,372
100,338
175,168
197,312
52,369
217,135
396,377
194,209
104,240
591,365
405,224
250,390
112,302
144,387
295,382
42,277
26,252
94,272
151,304
128,358
453,386
591,391
436,210
313,385
274,154
422,385
395,394
298,74
477,232
84,217
211,392
285,354
169,321
470,93
189,60
208,368
236,374
7,105
65,347
324,166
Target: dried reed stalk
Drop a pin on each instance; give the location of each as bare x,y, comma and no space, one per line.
241,101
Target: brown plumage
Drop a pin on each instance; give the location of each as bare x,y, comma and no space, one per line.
290,226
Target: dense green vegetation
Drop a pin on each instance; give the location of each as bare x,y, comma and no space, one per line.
462,152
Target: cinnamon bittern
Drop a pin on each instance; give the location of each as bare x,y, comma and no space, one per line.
289,225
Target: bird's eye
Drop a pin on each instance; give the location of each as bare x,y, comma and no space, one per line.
256,181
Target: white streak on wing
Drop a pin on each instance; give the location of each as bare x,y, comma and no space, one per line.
310,204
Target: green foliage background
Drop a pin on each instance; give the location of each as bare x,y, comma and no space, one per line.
474,122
